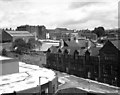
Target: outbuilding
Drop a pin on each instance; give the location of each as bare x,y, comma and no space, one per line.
8,65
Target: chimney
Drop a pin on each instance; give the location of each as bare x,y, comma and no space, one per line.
76,41
47,35
88,43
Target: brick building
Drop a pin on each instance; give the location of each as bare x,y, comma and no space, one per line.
38,31
60,33
5,37
89,35
25,35
103,67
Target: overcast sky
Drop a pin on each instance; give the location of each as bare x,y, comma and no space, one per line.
72,14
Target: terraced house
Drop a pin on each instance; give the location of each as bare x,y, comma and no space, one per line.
96,63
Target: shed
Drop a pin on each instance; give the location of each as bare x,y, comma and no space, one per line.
8,65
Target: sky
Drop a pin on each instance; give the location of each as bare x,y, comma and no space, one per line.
72,14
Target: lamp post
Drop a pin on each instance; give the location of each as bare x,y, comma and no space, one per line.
39,86
40,83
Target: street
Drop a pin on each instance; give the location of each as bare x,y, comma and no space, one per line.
68,81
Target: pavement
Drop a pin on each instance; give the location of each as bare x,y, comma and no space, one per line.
71,91
68,81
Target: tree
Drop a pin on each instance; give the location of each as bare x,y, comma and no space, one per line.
4,52
99,31
38,43
31,43
19,46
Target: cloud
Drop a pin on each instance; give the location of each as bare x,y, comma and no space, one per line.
95,16
75,5
7,0
54,13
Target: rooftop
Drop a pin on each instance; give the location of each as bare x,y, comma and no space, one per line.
116,43
4,58
28,77
19,33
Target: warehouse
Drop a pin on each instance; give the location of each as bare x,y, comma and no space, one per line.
5,37
25,35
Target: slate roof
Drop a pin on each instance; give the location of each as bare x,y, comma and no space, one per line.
65,44
82,42
54,49
71,50
109,46
46,46
19,33
63,30
73,44
94,51
116,43
51,30
4,36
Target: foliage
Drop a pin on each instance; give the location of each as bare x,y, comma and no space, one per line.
31,43
4,52
38,43
19,46
99,31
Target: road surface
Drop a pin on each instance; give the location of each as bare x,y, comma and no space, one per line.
68,81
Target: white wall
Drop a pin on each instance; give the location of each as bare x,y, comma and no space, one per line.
53,85
10,67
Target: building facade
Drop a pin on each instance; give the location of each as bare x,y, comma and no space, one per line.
103,68
5,37
38,31
60,33
8,66
25,35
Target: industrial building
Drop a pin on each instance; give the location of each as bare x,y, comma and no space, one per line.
38,31
25,35
11,35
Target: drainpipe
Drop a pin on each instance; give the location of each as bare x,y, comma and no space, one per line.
99,67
